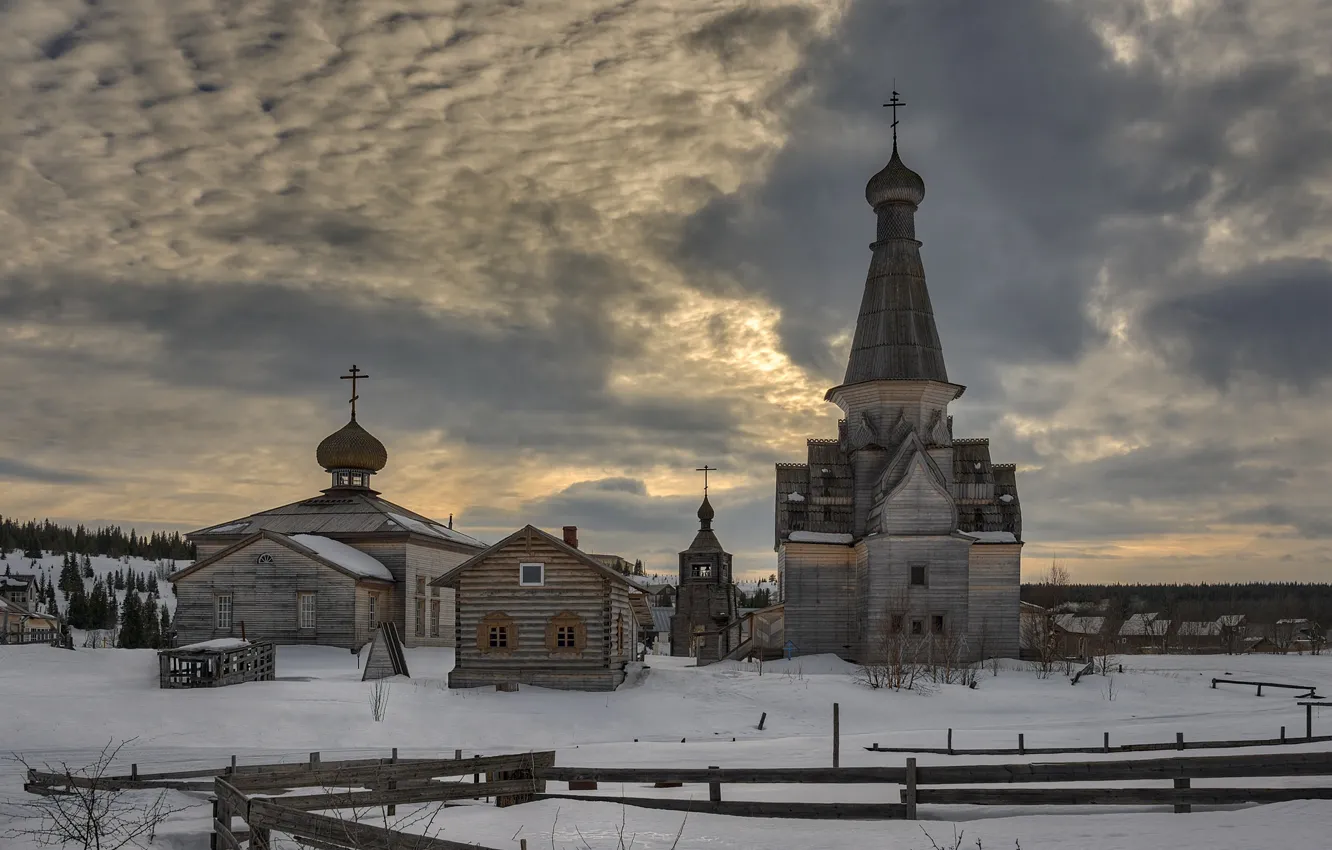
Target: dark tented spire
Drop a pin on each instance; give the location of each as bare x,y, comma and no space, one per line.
896,338
706,540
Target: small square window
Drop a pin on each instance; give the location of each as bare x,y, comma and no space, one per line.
919,575
937,624
499,637
566,637
531,575
918,627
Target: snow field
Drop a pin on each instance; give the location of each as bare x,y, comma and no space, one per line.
59,705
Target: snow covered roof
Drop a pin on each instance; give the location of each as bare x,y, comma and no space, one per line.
1074,624
1144,624
218,643
341,512
352,560
1230,620
820,537
1191,628
991,536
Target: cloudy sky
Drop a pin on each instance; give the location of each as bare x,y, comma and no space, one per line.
584,246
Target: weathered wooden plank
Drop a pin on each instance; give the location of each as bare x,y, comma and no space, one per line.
112,782
379,774
342,832
747,808
1202,767
231,799
435,792
824,775
226,839
1122,748
1116,796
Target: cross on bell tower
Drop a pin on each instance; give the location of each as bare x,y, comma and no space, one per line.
894,103
356,375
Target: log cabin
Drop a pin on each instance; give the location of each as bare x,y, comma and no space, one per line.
328,569
535,610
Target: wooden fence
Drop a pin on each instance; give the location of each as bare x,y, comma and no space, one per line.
1178,744
1179,771
215,668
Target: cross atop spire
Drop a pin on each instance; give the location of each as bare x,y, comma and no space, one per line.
356,375
893,103
705,469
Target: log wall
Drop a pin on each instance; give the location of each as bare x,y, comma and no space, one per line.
818,590
994,583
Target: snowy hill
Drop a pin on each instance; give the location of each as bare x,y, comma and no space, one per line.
48,568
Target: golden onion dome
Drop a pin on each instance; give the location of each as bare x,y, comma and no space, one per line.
351,447
895,184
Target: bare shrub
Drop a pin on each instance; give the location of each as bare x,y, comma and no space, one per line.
379,697
84,809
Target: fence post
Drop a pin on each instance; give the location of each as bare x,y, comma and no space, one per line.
1283,734
1308,720
314,760
1106,742
837,735
1182,808
217,818
950,742
714,786
393,783
1022,745
909,793
134,773
1179,740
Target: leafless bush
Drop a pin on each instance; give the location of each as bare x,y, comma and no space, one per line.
623,840
85,810
379,697
1109,690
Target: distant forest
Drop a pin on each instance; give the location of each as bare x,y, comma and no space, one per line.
1262,602
33,537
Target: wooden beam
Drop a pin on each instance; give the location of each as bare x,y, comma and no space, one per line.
749,808
435,792
345,833
750,775
1205,767
1115,796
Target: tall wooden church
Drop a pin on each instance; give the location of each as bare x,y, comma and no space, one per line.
895,527
327,569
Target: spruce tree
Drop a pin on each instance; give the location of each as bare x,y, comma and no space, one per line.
78,610
165,626
131,623
87,567
153,587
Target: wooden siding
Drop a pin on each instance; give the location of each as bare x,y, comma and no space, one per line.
818,591
430,563
918,505
491,586
994,605
264,598
888,562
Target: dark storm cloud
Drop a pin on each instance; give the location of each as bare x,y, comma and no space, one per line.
531,378
1270,319
1042,157
18,470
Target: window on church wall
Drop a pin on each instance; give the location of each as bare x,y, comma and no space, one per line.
372,611
566,634
920,575
700,570
305,610
497,632
420,585
343,478
918,627
420,617
937,624
222,604
896,624
434,618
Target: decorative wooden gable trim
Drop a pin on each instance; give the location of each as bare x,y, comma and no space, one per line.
281,540
920,502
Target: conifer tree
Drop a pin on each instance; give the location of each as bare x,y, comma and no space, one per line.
153,587
87,567
78,610
131,623
165,626
152,626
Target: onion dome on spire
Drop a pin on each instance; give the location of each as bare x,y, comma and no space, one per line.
705,513
895,184
352,447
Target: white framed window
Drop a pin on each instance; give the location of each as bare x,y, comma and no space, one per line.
264,558
306,608
420,585
434,618
531,575
372,610
222,604
420,617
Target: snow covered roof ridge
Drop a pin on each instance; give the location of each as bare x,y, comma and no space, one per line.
352,560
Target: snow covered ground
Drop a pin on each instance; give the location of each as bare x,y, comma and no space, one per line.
48,566
57,705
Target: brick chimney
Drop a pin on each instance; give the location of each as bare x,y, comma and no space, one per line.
571,535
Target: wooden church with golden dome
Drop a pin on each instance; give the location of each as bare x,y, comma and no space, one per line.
327,569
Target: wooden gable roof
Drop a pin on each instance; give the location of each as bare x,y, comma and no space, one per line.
281,539
343,512
450,578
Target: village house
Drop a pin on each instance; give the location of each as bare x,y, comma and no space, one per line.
896,520
21,589
327,569
1079,636
1197,636
660,595
1144,633
536,610
20,625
